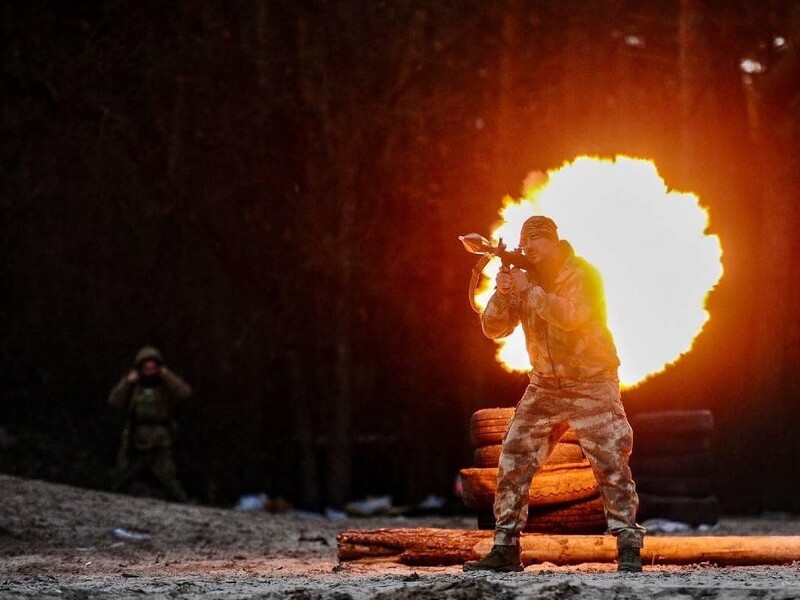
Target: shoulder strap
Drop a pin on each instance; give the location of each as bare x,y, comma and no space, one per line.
473,280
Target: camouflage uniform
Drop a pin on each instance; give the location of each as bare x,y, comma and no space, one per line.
573,384
147,439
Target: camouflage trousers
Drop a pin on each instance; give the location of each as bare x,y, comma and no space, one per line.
593,410
158,462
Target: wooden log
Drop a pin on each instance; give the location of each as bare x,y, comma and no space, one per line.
437,547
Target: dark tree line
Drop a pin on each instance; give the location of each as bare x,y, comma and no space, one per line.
271,192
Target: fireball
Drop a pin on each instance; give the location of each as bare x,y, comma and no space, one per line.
650,244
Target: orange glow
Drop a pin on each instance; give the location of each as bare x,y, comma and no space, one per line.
650,244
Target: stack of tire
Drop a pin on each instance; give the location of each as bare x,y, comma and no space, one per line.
563,496
672,464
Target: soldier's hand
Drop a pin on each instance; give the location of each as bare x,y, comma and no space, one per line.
503,281
133,376
519,280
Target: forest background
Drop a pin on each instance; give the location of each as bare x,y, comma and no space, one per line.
271,192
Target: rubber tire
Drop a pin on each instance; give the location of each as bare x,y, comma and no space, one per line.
489,456
694,486
692,511
488,426
678,444
700,463
657,423
586,517
549,487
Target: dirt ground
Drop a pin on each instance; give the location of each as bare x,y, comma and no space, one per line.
60,542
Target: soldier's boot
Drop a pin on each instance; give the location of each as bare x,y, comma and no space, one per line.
502,559
629,560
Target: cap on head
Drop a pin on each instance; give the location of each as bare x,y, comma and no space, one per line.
539,226
148,353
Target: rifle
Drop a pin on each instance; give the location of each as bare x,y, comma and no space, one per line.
477,244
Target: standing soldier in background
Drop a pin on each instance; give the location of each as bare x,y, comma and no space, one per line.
573,384
150,394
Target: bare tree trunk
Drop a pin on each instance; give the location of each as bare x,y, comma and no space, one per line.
339,471
333,140
433,547
507,121
772,100
690,66
304,436
173,153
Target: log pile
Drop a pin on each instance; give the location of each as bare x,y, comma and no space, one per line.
441,547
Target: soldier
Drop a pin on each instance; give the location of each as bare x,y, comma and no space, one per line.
151,395
573,384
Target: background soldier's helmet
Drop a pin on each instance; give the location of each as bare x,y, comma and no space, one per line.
148,353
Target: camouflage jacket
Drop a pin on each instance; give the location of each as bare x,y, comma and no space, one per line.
151,410
565,328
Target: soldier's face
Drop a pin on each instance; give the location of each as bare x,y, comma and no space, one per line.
539,249
149,368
